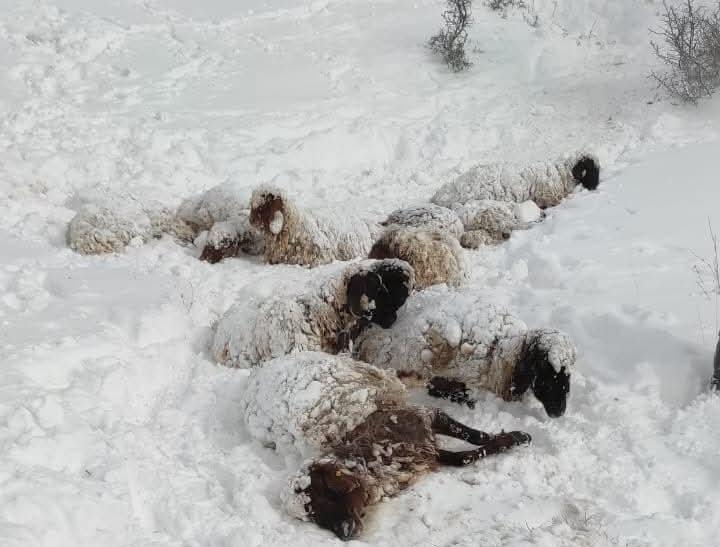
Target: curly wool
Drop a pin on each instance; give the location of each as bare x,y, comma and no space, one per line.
307,238
435,256
253,331
545,183
456,334
307,402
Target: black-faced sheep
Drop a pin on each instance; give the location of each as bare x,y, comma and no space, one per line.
455,340
545,183
353,418
327,315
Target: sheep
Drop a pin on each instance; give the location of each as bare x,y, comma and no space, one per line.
487,222
110,223
295,236
365,442
435,256
545,183
455,340
341,300
230,238
223,212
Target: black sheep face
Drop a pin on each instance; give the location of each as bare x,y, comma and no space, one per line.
535,371
587,172
337,500
378,294
552,387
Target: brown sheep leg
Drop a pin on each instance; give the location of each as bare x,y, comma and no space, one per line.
498,443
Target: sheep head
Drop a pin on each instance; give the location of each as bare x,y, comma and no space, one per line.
267,212
378,292
586,171
545,366
335,498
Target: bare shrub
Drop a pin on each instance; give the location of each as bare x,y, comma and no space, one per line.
450,41
504,5
689,44
527,8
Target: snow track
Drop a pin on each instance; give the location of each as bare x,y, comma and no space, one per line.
116,427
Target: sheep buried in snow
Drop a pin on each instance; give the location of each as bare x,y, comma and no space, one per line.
434,256
545,183
455,340
488,222
222,215
112,222
310,238
296,236
326,315
366,441
475,223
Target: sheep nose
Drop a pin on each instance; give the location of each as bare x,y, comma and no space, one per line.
555,411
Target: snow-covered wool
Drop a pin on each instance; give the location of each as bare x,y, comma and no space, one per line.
111,223
458,335
490,221
326,315
220,218
308,401
231,238
218,204
367,442
545,183
307,238
436,257
428,217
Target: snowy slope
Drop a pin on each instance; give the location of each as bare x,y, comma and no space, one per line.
116,428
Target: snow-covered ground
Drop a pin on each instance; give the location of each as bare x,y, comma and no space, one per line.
116,428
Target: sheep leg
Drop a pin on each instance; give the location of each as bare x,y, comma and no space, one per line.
442,424
497,444
446,388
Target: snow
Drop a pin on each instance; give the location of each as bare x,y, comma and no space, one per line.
116,426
